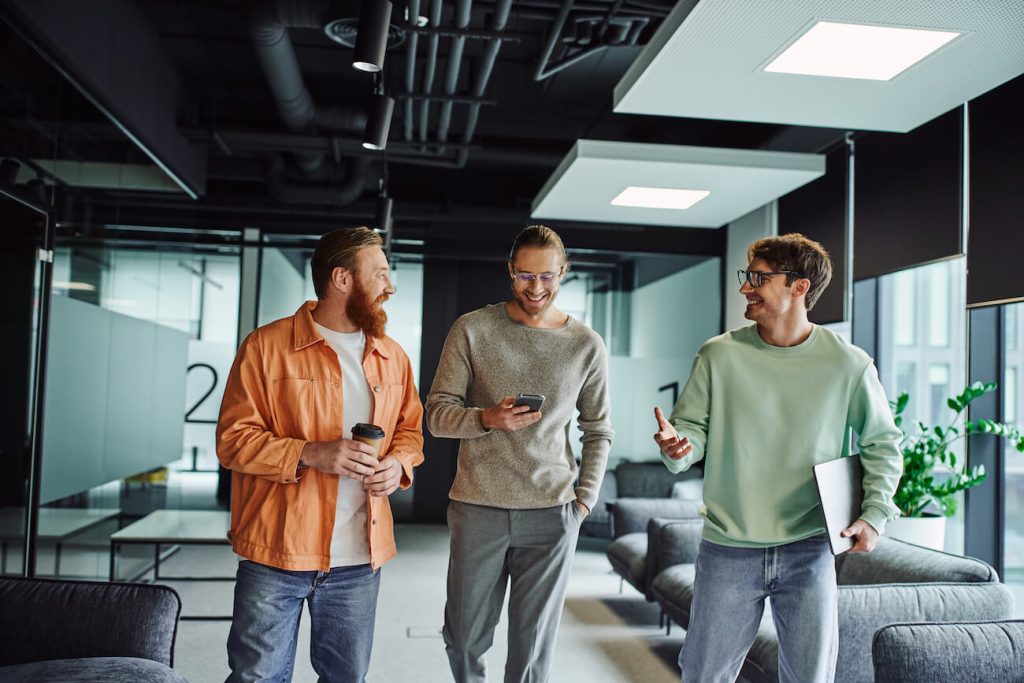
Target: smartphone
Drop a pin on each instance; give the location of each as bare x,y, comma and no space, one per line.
534,401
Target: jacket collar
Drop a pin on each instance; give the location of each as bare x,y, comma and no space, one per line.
305,333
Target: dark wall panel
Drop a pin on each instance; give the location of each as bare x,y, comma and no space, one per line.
818,210
907,197
450,288
996,235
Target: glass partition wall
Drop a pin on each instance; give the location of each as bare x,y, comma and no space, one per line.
143,327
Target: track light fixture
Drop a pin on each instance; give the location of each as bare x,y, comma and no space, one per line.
384,219
378,123
372,39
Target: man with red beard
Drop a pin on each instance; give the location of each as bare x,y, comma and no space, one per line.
519,496
310,518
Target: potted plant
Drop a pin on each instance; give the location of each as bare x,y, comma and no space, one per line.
932,472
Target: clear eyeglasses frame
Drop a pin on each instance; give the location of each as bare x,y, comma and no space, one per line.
755,278
524,278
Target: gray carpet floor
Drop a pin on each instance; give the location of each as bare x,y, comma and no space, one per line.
605,636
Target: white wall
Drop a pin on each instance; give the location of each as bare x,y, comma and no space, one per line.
673,316
760,223
669,320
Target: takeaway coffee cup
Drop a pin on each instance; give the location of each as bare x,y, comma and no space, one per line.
368,434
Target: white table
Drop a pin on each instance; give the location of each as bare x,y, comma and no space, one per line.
174,527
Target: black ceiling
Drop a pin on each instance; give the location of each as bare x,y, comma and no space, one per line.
477,186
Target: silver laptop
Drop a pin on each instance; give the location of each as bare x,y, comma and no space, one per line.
841,492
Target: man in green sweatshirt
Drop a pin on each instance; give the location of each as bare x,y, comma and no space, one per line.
763,405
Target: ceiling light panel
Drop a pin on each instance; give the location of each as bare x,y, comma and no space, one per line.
672,199
725,60
668,185
877,53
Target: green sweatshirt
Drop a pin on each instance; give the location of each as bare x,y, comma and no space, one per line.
762,416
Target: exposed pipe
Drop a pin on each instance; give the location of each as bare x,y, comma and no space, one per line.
410,65
268,22
334,194
428,75
501,13
463,10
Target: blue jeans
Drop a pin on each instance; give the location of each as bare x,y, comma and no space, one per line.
728,603
265,625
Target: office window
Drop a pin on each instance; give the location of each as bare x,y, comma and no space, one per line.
1013,412
905,300
921,322
938,306
939,391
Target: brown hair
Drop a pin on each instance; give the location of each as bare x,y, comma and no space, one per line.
799,254
538,237
338,249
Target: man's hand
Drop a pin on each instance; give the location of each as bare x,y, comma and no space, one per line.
386,479
584,510
866,535
668,439
345,457
506,418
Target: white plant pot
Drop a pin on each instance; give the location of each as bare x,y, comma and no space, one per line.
927,531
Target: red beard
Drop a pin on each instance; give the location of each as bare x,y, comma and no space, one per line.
366,313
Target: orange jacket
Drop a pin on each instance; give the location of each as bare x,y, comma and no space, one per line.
284,390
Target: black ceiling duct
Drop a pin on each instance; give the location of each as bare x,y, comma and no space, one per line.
372,40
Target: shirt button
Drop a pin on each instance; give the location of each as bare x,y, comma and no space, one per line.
377,388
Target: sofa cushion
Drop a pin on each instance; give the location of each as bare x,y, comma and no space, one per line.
628,555
894,561
673,590
952,653
92,670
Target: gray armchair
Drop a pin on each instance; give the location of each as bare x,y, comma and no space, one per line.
638,480
87,631
951,652
629,552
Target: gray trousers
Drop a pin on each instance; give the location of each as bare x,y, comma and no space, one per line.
489,546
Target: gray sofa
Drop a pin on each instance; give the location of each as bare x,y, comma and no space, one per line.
951,653
638,480
898,582
87,631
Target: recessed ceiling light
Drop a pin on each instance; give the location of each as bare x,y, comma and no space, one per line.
877,53
659,197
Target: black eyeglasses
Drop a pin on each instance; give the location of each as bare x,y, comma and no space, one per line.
756,277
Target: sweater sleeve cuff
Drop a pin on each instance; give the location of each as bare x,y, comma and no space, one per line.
876,518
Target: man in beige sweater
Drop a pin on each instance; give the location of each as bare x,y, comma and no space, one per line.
518,497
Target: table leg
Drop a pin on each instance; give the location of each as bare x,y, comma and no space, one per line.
156,563
114,548
56,559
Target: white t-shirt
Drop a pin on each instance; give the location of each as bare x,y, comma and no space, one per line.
350,542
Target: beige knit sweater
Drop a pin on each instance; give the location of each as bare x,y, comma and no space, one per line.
487,357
